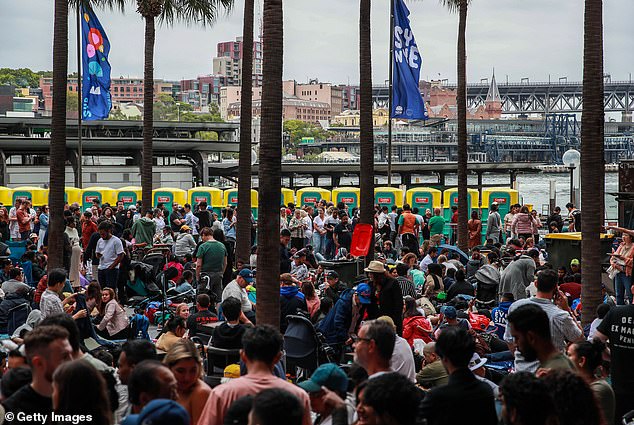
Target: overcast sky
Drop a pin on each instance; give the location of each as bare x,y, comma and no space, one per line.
520,38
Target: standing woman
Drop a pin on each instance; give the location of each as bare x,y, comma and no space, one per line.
75,259
283,219
184,361
308,233
297,228
114,324
43,226
4,226
474,227
319,232
159,220
622,260
79,389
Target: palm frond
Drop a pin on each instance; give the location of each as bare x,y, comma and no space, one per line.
99,4
189,12
453,5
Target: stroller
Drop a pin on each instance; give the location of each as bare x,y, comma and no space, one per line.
305,347
141,283
487,283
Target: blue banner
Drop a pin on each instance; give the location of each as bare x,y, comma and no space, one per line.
96,103
407,102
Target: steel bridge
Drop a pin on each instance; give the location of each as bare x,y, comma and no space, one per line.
538,97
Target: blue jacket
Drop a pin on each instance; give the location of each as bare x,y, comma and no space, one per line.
335,325
498,314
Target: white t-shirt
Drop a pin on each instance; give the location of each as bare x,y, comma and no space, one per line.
109,250
318,223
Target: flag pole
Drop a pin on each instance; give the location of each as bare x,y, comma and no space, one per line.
78,175
389,112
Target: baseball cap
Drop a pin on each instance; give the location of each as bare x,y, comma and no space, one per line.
574,262
132,207
160,412
33,235
232,371
364,292
185,228
449,311
246,274
327,375
332,275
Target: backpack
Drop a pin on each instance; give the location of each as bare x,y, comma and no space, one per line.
139,325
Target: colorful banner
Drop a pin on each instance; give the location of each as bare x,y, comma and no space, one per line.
407,101
96,103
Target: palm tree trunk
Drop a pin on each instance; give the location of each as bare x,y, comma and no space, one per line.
148,112
592,159
268,267
58,136
243,241
366,172
461,98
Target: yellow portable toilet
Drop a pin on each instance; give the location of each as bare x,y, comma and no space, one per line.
231,199
167,196
388,196
5,196
211,195
288,196
36,195
347,195
504,196
312,195
129,195
72,195
450,198
424,198
105,195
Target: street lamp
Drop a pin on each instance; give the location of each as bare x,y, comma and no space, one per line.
572,160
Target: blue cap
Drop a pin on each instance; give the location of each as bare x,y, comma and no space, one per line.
327,375
160,412
449,311
364,292
246,274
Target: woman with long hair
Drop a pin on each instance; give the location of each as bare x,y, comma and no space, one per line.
523,224
114,324
79,389
415,325
184,361
312,300
474,227
4,225
175,329
76,251
587,357
622,261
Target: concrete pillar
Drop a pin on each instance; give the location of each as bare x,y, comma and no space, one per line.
315,180
3,169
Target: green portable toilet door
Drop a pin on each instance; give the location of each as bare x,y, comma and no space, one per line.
348,198
22,195
166,198
88,197
198,197
232,199
423,200
310,198
128,198
386,199
504,202
454,201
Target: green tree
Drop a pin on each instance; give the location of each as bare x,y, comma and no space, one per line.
21,77
297,130
203,12
71,101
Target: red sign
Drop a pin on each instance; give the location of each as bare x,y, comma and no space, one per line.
455,200
90,198
126,199
421,200
233,200
162,199
347,200
384,200
310,199
500,200
23,198
199,199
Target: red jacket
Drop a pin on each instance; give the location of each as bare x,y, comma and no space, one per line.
87,229
416,327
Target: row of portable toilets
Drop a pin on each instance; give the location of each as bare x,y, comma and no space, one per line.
421,197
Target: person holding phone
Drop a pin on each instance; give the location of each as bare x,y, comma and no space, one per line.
622,261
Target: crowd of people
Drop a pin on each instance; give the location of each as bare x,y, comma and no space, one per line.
426,334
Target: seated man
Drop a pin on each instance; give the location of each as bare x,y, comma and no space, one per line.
15,284
433,374
202,316
298,268
228,335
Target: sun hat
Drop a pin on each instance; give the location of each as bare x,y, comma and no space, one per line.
375,267
327,375
476,362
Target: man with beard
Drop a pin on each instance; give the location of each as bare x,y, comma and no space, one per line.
388,294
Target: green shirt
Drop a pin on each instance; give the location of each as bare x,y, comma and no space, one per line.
558,361
212,254
436,225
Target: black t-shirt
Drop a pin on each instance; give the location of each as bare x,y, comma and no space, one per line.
228,337
576,217
344,235
618,326
28,401
204,218
285,260
175,216
198,319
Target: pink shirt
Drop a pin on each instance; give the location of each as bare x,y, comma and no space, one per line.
224,395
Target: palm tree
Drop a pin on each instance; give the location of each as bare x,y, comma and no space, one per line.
243,242
461,98
592,159
57,153
269,175
203,12
366,158
58,135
